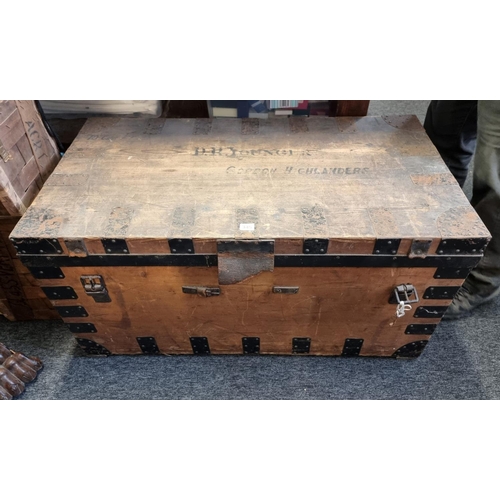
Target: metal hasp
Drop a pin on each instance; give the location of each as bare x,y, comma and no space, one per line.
95,287
404,293
202,291
241,259
419,249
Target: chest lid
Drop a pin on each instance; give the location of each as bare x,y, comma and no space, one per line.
321,185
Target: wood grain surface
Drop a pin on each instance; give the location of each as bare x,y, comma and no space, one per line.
343,178
332,304
21,298
28,155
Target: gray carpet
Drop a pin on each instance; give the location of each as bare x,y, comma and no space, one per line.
461,361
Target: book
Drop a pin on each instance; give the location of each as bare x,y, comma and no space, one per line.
225,112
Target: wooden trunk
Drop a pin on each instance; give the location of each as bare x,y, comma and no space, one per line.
21,298
28,155
280,236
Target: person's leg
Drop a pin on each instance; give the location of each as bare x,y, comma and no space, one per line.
451,126
483,283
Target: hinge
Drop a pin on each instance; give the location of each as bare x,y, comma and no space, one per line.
115,245
181,245
95,287
419,249
387,246
34,246
316,246
465,247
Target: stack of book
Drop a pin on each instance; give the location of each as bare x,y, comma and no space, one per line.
264,109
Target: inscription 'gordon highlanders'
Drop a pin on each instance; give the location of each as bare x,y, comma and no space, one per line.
309,171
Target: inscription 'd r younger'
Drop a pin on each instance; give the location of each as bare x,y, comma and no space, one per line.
231,152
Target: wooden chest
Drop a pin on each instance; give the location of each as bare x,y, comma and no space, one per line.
321,236
28,155
21,298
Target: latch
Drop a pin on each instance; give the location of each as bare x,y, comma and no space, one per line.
404,296
202,291
404,293
95,287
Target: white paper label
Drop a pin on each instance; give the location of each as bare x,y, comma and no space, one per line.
247,227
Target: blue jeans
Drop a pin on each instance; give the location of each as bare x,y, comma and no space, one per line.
455,128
